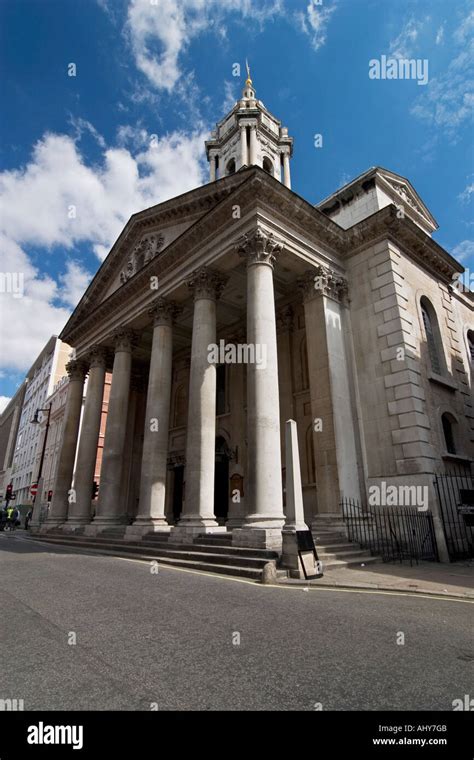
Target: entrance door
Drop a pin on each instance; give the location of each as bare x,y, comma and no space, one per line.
178,492
221,481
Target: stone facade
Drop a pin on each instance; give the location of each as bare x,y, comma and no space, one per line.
41,378
345,317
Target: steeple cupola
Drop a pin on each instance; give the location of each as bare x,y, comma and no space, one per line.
250,136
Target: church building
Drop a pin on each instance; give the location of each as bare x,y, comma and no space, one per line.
234,307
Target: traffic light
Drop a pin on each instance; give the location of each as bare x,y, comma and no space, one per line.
9,492
50,495
95,489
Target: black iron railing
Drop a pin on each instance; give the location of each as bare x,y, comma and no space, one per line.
455,495
393,533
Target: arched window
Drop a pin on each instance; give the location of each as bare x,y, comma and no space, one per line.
267,165
179,417
433,336
470,344
230,169
449,424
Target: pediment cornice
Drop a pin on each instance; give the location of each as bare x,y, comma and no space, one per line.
250,189
404,233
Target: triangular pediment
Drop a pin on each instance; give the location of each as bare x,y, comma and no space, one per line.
403,193
147,235
148,246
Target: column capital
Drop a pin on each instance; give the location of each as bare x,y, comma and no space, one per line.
124,339
76,369
97,357
259,247
164,312
285,318
206,283
323,281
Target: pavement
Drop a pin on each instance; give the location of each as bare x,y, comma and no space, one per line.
106,633
455,580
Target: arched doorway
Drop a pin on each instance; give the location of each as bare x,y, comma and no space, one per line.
221,480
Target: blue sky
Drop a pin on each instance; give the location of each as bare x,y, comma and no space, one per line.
78,155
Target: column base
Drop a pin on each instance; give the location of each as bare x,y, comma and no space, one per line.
141,527
258,538
188,529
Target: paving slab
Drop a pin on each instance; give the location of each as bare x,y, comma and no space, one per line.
454,580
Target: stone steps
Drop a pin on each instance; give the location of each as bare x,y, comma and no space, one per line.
209,553
335,551
162,541
237,563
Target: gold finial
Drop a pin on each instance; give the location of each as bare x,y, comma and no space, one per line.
248,81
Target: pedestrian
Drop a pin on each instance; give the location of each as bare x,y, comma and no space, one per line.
11,518
3,518
28,517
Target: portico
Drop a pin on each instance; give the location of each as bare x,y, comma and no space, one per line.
228,310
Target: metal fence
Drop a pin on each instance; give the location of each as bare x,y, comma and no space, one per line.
455,495
394,533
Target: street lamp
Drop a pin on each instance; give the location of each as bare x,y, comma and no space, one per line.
35,421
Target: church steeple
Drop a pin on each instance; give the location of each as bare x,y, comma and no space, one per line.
250,135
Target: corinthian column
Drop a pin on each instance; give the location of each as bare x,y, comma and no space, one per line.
263,523
110,507
151,507
72,417
334,425
198,512
80,510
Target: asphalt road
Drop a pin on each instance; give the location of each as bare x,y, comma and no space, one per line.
167,641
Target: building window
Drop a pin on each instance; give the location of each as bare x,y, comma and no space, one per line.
230,166
433,336
220,389
470,343
448,423
267,165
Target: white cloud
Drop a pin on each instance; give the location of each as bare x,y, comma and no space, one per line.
440,35
314,22
463,250
465,196
448,101
160,32
37,201
73,283
4,401
402,46
230,96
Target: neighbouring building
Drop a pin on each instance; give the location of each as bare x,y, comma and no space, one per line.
42,376
227,310
9,423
